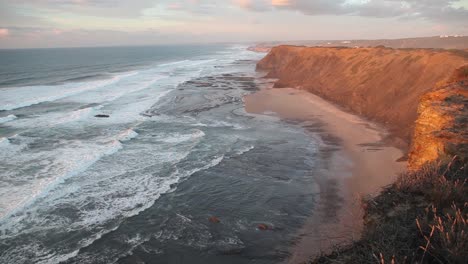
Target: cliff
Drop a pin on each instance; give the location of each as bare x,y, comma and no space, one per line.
259,48
382,84
441,130
436,42
422,96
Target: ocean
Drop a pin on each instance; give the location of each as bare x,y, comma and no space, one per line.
124,154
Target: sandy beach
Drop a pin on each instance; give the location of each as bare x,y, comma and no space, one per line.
358,164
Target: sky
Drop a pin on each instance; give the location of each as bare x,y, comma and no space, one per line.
72,23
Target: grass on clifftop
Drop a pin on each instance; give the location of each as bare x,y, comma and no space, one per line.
421,218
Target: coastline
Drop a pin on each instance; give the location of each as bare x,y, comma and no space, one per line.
358,164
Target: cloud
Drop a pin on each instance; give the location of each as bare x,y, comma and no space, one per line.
254,5
112,22
4,32
106,8
436,10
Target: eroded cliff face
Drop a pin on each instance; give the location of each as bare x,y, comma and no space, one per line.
381,84
441,130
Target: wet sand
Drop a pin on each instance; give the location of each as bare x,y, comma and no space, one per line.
357,164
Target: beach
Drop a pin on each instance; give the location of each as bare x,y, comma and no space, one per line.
359,165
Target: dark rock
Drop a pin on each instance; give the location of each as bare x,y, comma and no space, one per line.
402,158
214,220
264,227
102,116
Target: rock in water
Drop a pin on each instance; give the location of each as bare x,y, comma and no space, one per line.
214,219
264,227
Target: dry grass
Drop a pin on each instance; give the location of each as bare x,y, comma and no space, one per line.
422,218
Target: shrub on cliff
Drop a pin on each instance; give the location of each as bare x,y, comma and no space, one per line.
422,218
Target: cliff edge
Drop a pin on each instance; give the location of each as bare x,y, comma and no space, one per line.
382,84
441,130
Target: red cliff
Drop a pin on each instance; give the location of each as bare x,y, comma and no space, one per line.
381,84
385,85
441,130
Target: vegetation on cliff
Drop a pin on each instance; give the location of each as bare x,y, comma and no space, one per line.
421,218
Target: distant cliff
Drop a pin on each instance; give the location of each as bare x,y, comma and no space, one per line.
436,42
382,84
259,48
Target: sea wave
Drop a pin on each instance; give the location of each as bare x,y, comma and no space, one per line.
4,142
8,149
244,150
219,123
127,135
172,63
178,138
18,97
7,118
77,115
76,158
146,190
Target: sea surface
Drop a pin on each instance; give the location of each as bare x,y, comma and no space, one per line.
175,148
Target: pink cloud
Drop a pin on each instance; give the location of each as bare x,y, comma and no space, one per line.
243,3
175,6
4,32
280,2
439,27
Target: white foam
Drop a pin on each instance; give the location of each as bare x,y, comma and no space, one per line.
126,111
17,97
178,138
144,80
146,190
214,162
7,149
67,162
4,142
55,118
7,118
219,123
76,115
244,150
127,135
70,161
199,62
131,107
172,63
